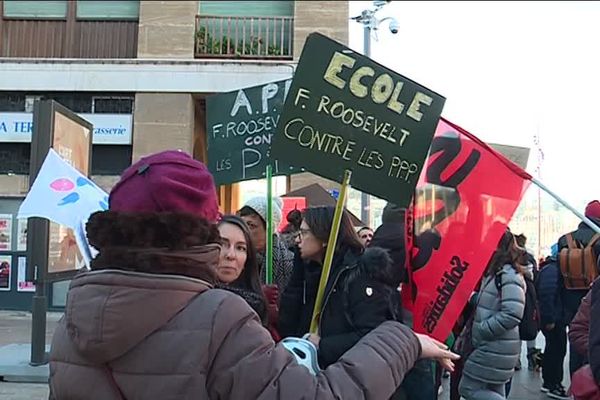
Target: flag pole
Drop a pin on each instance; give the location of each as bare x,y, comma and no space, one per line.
269,255
331,245
585,219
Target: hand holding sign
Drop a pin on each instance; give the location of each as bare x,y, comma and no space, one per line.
346,112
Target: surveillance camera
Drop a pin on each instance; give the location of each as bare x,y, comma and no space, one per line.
394,27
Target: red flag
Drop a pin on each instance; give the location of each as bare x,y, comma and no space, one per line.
290,204
465,199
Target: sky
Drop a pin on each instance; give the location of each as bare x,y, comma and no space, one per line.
508,70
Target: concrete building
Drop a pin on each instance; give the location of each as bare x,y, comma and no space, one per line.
139,71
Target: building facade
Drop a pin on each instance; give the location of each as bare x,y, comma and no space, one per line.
139,71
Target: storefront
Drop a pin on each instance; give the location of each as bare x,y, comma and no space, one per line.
111,153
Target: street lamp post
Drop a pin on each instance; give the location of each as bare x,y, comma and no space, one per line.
371,23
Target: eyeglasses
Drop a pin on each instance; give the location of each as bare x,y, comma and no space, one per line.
303,232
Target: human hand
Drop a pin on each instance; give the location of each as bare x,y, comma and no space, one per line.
271,293
314,339
431,348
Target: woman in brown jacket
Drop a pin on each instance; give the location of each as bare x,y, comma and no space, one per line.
146,323
579,330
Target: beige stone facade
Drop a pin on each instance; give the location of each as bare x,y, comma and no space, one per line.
327,17
176,120
162,121
14,185
166,29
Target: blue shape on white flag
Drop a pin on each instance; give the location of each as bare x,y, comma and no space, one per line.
54,196
70,198
84,181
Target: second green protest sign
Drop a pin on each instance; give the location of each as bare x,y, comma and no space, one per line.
345,111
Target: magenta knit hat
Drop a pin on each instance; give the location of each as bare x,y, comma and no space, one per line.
169,181
593,209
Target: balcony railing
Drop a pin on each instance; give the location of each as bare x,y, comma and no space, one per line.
244,37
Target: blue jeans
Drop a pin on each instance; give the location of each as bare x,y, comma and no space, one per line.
419,383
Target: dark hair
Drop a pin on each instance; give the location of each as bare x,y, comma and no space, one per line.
294,219
507,252
249,278
521,240
363,228
123,240
251,212
320,219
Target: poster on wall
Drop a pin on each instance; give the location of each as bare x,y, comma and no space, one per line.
5,269
22,235
6,232
22,284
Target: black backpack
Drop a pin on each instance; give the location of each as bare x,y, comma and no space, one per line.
530,324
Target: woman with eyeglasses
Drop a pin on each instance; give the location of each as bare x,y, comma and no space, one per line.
359,294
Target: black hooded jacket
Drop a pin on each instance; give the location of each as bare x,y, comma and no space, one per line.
359,296
583,235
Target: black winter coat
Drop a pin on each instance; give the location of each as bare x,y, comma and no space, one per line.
390,236
358,298
594,333
583,235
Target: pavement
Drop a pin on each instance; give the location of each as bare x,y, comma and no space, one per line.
15,336
15,371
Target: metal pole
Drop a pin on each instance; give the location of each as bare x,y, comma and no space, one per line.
269,252
585,219
37,237
365,199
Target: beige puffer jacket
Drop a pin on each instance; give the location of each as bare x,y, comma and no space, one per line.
129,335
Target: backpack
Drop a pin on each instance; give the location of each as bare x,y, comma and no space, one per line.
578,263
530,324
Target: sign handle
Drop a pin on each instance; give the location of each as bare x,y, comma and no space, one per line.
331,245
269,255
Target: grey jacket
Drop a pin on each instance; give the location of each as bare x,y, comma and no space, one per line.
496,338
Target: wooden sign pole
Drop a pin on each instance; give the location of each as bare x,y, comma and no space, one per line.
331,245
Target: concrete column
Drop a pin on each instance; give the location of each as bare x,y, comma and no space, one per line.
162,121
166,29
327,17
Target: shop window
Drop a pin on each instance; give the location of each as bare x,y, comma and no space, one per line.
107,10
28,9
110,159
12,102
112,105
14,158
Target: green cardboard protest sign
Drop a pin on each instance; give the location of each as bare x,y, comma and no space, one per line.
240,126
345,111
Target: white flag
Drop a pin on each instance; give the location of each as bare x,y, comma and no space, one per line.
62,194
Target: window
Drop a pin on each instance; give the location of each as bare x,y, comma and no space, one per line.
14,158
30,102
12,102
247,8
110,159
26,9
96,9
112,105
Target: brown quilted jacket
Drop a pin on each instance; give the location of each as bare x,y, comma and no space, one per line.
131,335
